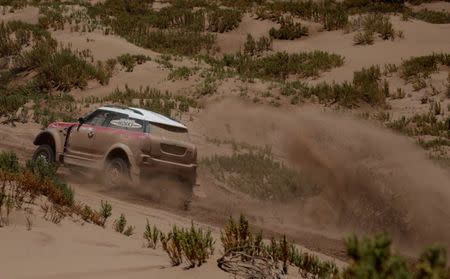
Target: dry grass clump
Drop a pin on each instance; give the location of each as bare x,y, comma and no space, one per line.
193,245
181,73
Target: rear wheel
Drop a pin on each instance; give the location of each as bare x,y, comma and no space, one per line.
45,152
116,172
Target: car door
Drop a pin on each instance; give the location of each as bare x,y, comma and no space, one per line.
80,148
118,128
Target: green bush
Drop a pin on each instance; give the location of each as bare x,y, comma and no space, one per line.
372,24
435,17
194,245
288,30
151,235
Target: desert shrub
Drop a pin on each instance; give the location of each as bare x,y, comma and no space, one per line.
194,245
127,61
282,64
331,14
151,235
432,264
61,69
372,24
257,47
366,86
373,258
422,66
150,98
223,20
120,224
242,247
380,6
180,73
207,87
105,212
179,17
9,162
129,231
258,174
363,38
436,17
288,30
176,41
421,124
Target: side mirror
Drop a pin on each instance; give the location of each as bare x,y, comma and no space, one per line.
81,120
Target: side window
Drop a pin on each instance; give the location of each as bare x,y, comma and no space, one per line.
97,118
123,122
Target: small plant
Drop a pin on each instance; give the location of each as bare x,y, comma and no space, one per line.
129,231
119,224
435,108
171,243
105,212
223,20
151,235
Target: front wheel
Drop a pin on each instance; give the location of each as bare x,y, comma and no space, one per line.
116,172
45,152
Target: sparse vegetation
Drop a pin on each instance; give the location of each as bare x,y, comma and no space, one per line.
148,98
369,25
223,20
257,47
331,14
180,73
289,30
258,174
422,67
281,64
436,17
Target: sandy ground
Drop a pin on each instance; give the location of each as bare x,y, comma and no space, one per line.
73,250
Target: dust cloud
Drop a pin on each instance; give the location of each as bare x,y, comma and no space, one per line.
372,179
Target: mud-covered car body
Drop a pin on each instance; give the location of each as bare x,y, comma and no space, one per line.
149,143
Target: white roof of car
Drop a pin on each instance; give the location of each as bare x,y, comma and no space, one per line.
143,114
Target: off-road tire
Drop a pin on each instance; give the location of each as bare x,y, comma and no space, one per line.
116,172
45,151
